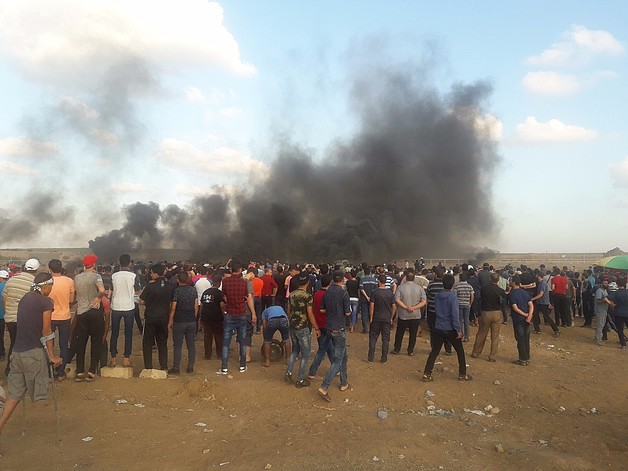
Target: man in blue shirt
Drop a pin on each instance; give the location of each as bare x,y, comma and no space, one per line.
274,319
446,328
522,311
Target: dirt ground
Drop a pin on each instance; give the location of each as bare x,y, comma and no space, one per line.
566,411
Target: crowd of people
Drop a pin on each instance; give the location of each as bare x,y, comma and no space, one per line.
45,311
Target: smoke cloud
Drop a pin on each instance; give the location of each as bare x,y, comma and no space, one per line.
414,180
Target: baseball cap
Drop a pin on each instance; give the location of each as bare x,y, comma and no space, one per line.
4,274
89,260
304,277
32,264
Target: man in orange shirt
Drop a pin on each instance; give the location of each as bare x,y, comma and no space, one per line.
258,284
62,294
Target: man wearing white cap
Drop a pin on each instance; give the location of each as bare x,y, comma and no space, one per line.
14,291
4,276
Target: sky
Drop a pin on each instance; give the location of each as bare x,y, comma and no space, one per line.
110,103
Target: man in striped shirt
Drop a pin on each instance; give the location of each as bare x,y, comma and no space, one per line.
435,287
464,292
14,291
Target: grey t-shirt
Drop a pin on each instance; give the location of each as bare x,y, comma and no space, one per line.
86,290
600,308
410,294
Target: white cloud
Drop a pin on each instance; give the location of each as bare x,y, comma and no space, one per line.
15,169
223,161
231,112
76,40
579,46
19,146
194,95
489,126
551,83
554,130
619,173
130,187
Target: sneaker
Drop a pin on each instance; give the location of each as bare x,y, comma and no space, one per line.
557,334
383,361
622,347
410,354
222,371
287,377
173,371
537,332
189,370
302,384
242,369
395,352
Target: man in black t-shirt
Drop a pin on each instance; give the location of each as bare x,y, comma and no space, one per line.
212,309
382,312
157,297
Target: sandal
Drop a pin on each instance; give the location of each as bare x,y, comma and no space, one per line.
126,362
345,387
427,378
90,377
79,378
466,377
324,395
520,363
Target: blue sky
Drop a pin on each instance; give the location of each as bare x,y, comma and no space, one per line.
219,83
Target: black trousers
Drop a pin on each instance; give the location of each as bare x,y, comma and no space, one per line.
2,349
12,328
155,332
402,325
588,306
267,301
522,336
379,327
138,319
89,326
536,317
439,337
619,323
431,323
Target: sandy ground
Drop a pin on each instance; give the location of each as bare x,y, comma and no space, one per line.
567,411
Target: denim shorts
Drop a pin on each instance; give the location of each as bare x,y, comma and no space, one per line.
275,324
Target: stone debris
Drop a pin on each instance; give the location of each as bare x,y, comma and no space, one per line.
593,410
497,382
382,414
207,430
141,406
224,463
268,466
206,450
499,448
120,372
200,424
122,401
87,439
475,411
561,409
153,374
429,394
376,459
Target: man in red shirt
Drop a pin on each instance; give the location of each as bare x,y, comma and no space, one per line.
324,341
269,289
235,291
561,304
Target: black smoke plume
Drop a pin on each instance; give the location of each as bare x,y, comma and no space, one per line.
414,180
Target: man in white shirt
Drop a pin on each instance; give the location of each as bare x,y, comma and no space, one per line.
126,285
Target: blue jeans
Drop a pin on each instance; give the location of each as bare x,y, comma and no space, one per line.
354,312
129,317
364,314
239,324
301,344
324,346
64,337
339,363
181,330
464,320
